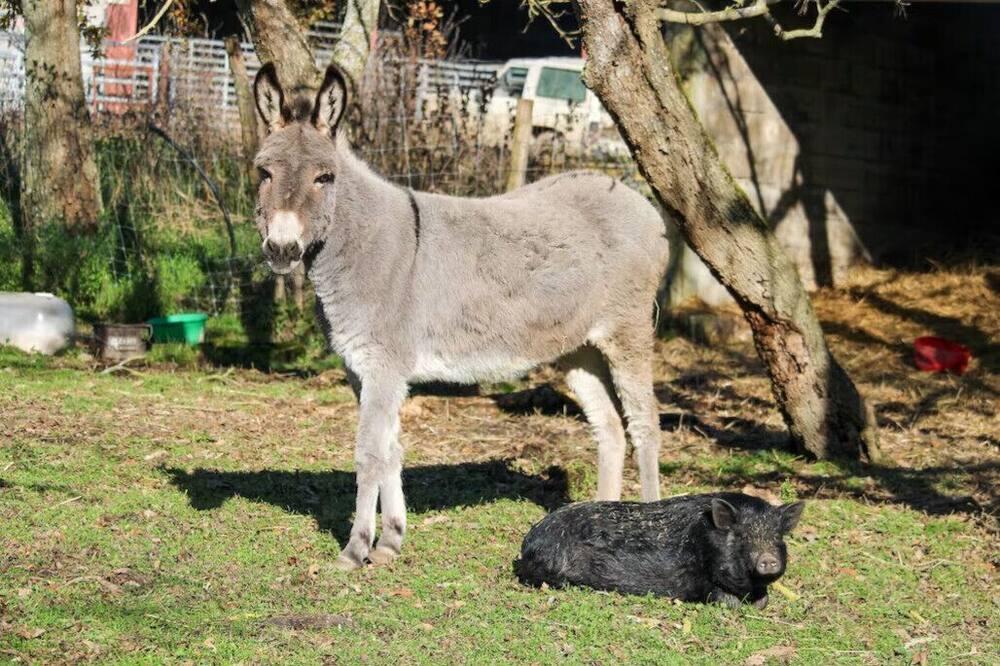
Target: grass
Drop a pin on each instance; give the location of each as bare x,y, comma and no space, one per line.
192,515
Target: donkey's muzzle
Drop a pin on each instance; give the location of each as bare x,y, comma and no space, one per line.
282,257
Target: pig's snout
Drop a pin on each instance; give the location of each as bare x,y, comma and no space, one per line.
768,565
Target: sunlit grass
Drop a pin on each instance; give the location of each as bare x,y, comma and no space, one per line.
129,536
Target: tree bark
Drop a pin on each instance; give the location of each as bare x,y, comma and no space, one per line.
352,51
630,70
59,175
278,38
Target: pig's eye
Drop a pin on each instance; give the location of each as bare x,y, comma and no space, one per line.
324,179
264,175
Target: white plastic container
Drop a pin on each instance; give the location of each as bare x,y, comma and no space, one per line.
35,322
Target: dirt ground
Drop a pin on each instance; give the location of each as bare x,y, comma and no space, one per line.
940,431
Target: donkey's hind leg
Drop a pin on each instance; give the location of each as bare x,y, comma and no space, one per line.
587,375
629,354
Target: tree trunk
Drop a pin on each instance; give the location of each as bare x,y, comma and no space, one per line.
352,51
278,38
630,70
245,103
59,176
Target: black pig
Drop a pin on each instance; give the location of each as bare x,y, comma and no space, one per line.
717,547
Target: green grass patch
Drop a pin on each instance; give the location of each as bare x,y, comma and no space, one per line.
186,516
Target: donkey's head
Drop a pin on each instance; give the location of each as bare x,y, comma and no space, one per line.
297,165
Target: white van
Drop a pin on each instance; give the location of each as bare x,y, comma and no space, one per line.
564,109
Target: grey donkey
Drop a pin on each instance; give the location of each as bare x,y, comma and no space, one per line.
414,286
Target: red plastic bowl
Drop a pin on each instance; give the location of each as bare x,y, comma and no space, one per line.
933,354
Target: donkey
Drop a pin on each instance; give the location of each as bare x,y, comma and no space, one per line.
413,286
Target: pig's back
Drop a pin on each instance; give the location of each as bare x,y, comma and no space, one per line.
633,548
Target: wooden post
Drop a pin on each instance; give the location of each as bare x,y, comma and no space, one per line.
299,286
162,102
520,145
245,104
279,288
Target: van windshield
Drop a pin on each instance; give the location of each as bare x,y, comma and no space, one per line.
561,84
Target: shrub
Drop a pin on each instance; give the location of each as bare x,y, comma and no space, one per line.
177,277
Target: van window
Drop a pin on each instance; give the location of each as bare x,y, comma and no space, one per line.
512,81
561,84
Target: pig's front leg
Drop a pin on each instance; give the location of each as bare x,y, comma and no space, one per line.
758,599
720,596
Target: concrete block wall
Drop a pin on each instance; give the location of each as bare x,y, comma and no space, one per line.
873,143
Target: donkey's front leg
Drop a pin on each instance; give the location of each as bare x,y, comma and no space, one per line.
378,460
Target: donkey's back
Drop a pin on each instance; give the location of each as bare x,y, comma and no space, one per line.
507,282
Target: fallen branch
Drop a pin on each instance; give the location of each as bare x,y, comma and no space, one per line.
121,366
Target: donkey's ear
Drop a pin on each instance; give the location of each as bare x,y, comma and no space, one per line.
269,97
331,101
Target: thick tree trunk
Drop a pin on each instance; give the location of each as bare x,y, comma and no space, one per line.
278,38
629,69
59,175
352,51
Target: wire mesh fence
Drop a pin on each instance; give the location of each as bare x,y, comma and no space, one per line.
162,245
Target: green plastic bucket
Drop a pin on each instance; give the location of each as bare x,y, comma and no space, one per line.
188,328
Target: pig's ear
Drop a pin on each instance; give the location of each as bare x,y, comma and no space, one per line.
724,516
790,514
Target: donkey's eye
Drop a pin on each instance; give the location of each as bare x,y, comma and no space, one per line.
264,174
324,178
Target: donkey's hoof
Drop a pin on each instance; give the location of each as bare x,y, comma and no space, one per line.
382,555
345,563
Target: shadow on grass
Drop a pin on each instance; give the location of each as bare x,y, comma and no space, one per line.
874,483
949,327
905,352
916,488
329,496
543,399
735,432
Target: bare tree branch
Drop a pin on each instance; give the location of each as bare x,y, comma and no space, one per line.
815,32
738,11
731,13
151,24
